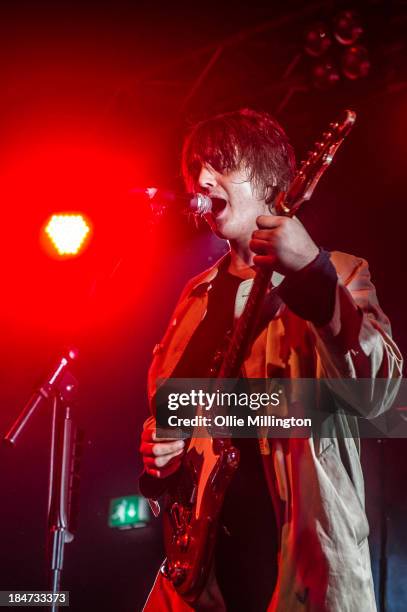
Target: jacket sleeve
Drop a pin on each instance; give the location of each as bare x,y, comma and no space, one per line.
151,486
352,334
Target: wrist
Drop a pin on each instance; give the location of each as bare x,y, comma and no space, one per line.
310,291
306,259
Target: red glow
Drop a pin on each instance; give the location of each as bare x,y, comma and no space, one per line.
47,296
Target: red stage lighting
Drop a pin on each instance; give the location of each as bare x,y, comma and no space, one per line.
67,232
355,62
347,28
325,74
317,40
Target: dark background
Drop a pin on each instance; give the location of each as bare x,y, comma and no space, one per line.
96,100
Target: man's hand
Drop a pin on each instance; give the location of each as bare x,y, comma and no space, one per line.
282,243
161,456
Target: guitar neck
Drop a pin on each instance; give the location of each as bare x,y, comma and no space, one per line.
286,203
245,326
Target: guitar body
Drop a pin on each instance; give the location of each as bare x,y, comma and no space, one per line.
193,505
192,512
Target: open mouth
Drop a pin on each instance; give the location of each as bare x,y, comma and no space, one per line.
218,204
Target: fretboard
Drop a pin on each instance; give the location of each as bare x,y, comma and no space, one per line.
245,326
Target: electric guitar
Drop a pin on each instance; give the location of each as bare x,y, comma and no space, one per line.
193,505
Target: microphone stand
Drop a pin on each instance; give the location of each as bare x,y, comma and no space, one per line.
60,389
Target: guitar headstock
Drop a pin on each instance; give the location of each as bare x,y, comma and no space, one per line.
317,161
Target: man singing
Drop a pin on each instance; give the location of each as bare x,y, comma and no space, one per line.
293,531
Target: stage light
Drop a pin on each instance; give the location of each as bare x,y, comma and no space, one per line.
332,45
324,74
347,28
317,40
67,232
355,62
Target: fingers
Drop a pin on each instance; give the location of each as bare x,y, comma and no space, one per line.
264,260
261,247
161,456
262,234
151,461
265,255
269,221
167,445
160,449
166,471
149,433
271,231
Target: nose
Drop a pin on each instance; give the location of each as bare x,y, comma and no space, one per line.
207,178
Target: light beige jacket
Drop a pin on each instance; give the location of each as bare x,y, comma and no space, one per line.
324,561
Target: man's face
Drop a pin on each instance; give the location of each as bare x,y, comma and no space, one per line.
237,220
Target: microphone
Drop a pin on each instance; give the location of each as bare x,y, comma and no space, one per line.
161,200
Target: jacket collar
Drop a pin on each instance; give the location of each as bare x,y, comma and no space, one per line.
201,283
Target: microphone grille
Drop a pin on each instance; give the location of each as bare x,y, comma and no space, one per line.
200,204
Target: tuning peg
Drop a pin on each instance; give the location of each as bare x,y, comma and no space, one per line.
327,135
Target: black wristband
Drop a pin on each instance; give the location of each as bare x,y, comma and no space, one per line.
310,292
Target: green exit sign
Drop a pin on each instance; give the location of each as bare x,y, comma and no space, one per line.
128,512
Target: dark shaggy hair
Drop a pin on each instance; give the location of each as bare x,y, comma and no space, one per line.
245,139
